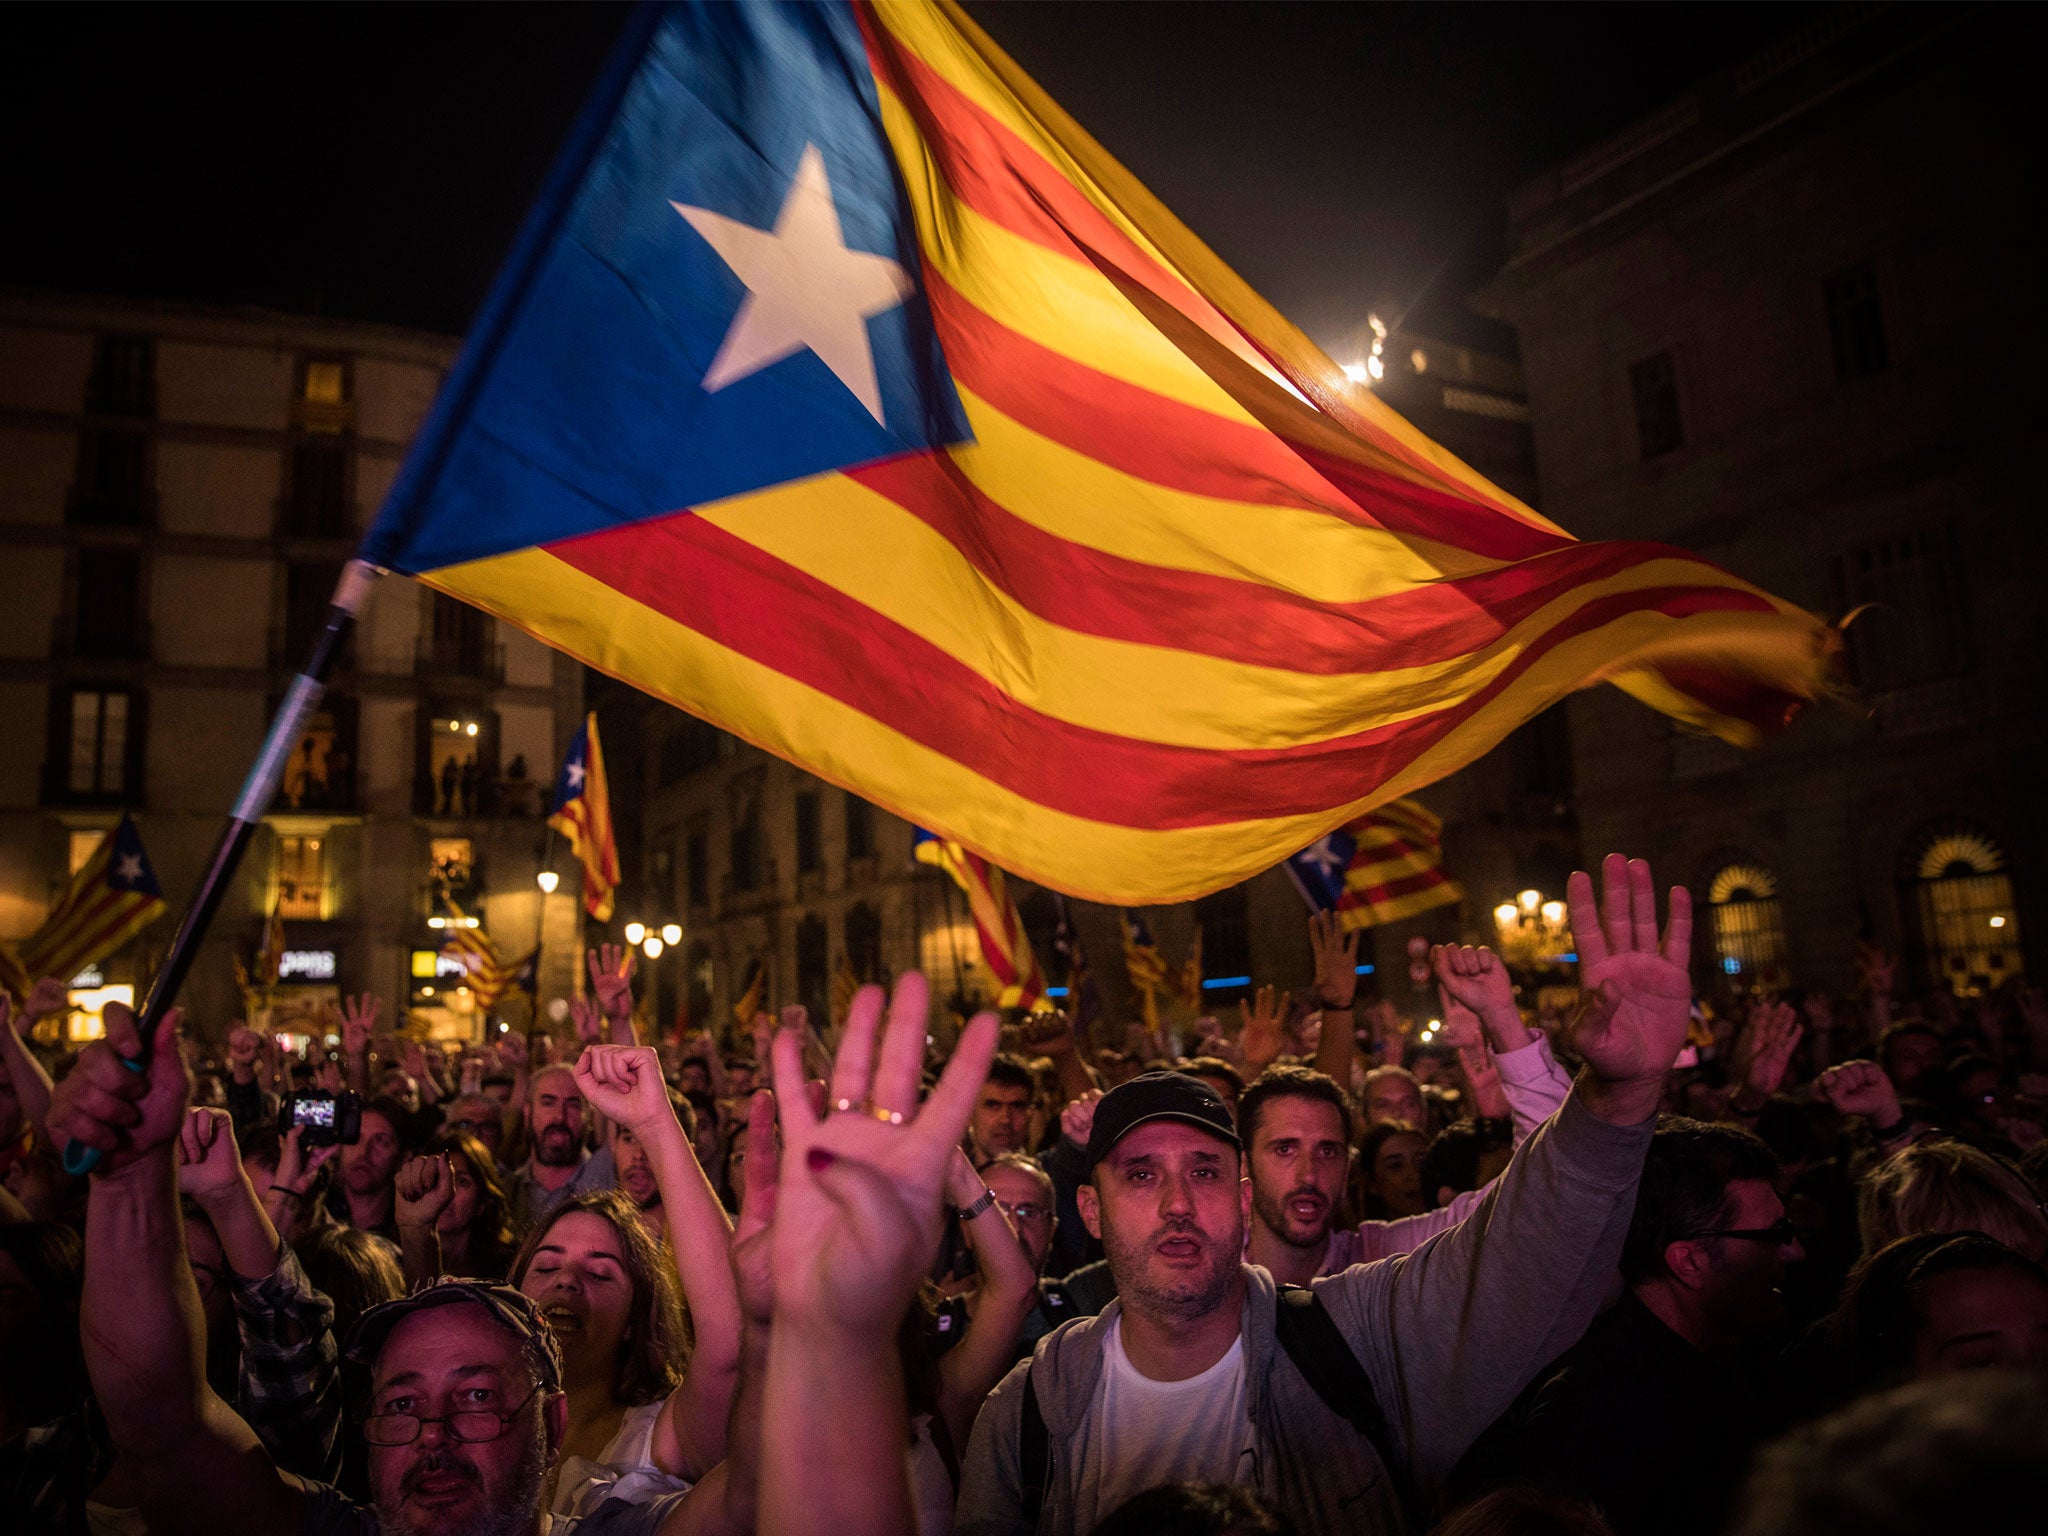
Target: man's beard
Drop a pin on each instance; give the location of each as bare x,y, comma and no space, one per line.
510,1515
556,1147
1277,1219
1190,1295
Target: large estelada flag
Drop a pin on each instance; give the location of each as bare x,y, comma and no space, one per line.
113,897
1005,946
1386,865
842,391
583,814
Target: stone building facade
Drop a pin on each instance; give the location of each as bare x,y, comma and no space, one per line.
179,488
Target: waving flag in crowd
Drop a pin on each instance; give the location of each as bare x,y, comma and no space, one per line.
1383,867
1004,945
583,814
842,391
113,897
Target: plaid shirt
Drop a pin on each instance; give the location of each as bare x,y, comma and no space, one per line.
289,1392
290,1385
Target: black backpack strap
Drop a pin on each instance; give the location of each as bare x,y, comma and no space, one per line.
1034,1453
1321,1353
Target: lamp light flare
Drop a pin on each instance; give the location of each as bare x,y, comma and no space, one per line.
652,946
547,880
635,932
671,933
1998,922
1553,911
1505,914
1357,373
1529,901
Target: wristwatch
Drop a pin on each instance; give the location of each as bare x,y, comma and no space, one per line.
969,1212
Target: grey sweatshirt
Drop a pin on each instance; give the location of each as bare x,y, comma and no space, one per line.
1450,1334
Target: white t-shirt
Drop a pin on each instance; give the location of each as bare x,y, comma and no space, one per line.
625,1469
1147,1432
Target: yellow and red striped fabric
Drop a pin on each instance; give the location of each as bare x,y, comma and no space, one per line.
1188,600
997,923
113,897
583,814
1397,870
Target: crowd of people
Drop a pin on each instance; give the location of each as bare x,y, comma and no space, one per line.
1771,1265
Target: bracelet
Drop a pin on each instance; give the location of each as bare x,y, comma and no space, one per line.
979,1208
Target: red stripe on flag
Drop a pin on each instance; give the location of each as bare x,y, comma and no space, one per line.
1407,885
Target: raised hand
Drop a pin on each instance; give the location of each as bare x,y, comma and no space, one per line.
859,1196
358,1023
1077,1120
50,996
588,1018
210,1163
623,1083
611,979
1264,1034
1862,1088
1389,1037
1763,1051
424,1188
125,1114
1336,955
753,1265
1049,1033
1475,978
512,1051
1637,991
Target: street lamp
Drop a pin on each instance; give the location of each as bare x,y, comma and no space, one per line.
635,932
1533,931
652,946
671,934
547,880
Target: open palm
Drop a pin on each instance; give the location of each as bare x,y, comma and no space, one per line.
858,1194
1638,990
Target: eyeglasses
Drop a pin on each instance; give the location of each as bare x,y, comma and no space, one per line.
1025,1212
1777,1234
472,1426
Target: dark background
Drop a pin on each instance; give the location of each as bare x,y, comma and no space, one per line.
372,161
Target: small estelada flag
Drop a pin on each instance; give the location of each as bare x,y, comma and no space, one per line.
583,814
113,897
1386,865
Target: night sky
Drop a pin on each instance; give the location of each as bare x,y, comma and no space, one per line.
373,161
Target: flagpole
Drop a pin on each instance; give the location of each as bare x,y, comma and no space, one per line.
258,790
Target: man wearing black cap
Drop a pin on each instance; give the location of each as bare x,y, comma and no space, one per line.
1186,1377
466,1413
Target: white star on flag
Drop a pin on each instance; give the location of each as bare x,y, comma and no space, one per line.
128,869
575,773
804,288
1323,856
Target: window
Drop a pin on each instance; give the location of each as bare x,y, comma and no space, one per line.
810,842
316,490
697,977
320,774
697,866
1856,323
308,589
863,929
452,876
1913,630
1653,383
459,638
302,877
457,763
325,382
1542,750
112,486
744,848
661,873
99,730
813,967
1224,921
860,827
1749,927
109,618
1969,923
123,381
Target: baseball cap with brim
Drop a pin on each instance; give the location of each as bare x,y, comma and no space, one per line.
512,1310
1158,1096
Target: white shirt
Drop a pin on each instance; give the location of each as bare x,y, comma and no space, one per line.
1148,1432
625,1469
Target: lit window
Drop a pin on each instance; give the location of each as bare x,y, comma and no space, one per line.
326,383
83,846
1968,919
1749,926
302,877
99,743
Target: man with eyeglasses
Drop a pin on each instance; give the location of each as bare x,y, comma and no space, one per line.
466,1413
1653,1414
1024,1190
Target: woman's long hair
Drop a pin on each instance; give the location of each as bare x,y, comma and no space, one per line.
657,1339
491,1242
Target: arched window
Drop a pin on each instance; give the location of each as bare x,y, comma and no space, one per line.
1749,927
697,987
1968,921
813,968
1224,920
